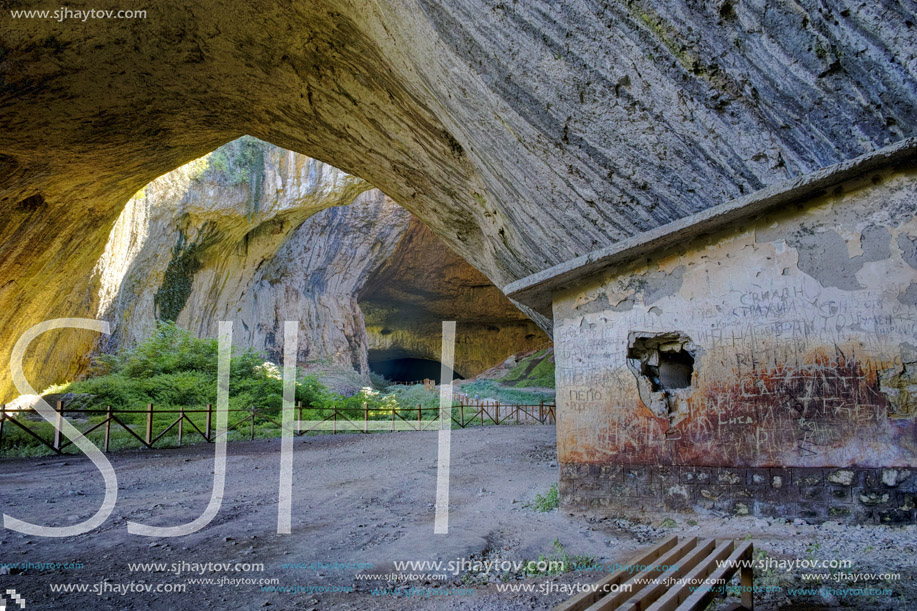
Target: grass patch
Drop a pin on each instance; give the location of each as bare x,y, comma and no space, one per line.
548,502
494,390
534,370
557,563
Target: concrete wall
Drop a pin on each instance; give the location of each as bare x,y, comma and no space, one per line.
802,396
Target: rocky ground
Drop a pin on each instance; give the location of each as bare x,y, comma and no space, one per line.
369,500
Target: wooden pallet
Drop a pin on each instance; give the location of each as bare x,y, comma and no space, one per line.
690,559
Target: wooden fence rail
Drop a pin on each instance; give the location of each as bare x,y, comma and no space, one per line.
342,420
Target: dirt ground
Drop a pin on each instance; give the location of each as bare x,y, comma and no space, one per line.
360,503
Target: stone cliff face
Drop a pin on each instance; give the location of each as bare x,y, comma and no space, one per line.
190,245
424,283
522,134
243,234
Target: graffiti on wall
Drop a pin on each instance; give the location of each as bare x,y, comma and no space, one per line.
785,368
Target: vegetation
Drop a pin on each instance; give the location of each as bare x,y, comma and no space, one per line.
239,162
494,390
559,562
534,370
172,295
174,370
548,502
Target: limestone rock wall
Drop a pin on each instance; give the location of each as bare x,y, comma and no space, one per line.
242,235
424,283
216,220
257,235
522,133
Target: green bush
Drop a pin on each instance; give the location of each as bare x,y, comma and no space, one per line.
172,368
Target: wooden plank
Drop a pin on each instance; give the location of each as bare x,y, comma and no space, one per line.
168,428
129,430
314,426
653,591
57,426
584,599
615,599
83,434
107,427
199,431
677,594
703,595
33,434
149,426
747,579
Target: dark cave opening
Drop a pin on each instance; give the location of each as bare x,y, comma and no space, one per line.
409,369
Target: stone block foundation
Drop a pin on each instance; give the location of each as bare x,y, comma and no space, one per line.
847,495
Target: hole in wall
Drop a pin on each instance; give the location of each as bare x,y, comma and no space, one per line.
665,359
663,364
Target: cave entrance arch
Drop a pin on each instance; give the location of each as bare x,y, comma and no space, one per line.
472,119
218,239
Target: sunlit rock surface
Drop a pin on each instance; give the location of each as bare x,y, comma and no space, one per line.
522,134
244,235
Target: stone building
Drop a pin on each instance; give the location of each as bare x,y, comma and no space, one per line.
759,357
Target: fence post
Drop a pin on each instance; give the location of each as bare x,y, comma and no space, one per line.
334,420
418,416
2,420
393,419
497,413
252,429
207,420
299,405
365,418
462,413
60,419
541,412
149,425
107,426
517,414
181,423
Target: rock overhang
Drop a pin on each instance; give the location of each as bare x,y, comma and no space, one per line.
536,291
522,135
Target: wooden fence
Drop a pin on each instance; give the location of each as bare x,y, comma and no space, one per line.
507,411
335,420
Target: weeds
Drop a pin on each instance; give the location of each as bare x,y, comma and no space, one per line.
548,502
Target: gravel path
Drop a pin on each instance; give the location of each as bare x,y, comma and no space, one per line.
361,501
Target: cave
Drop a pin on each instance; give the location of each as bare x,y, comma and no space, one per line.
408,369
538,163
216,240
514,172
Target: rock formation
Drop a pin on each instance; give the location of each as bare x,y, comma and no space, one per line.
424,283
258,235
522,134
